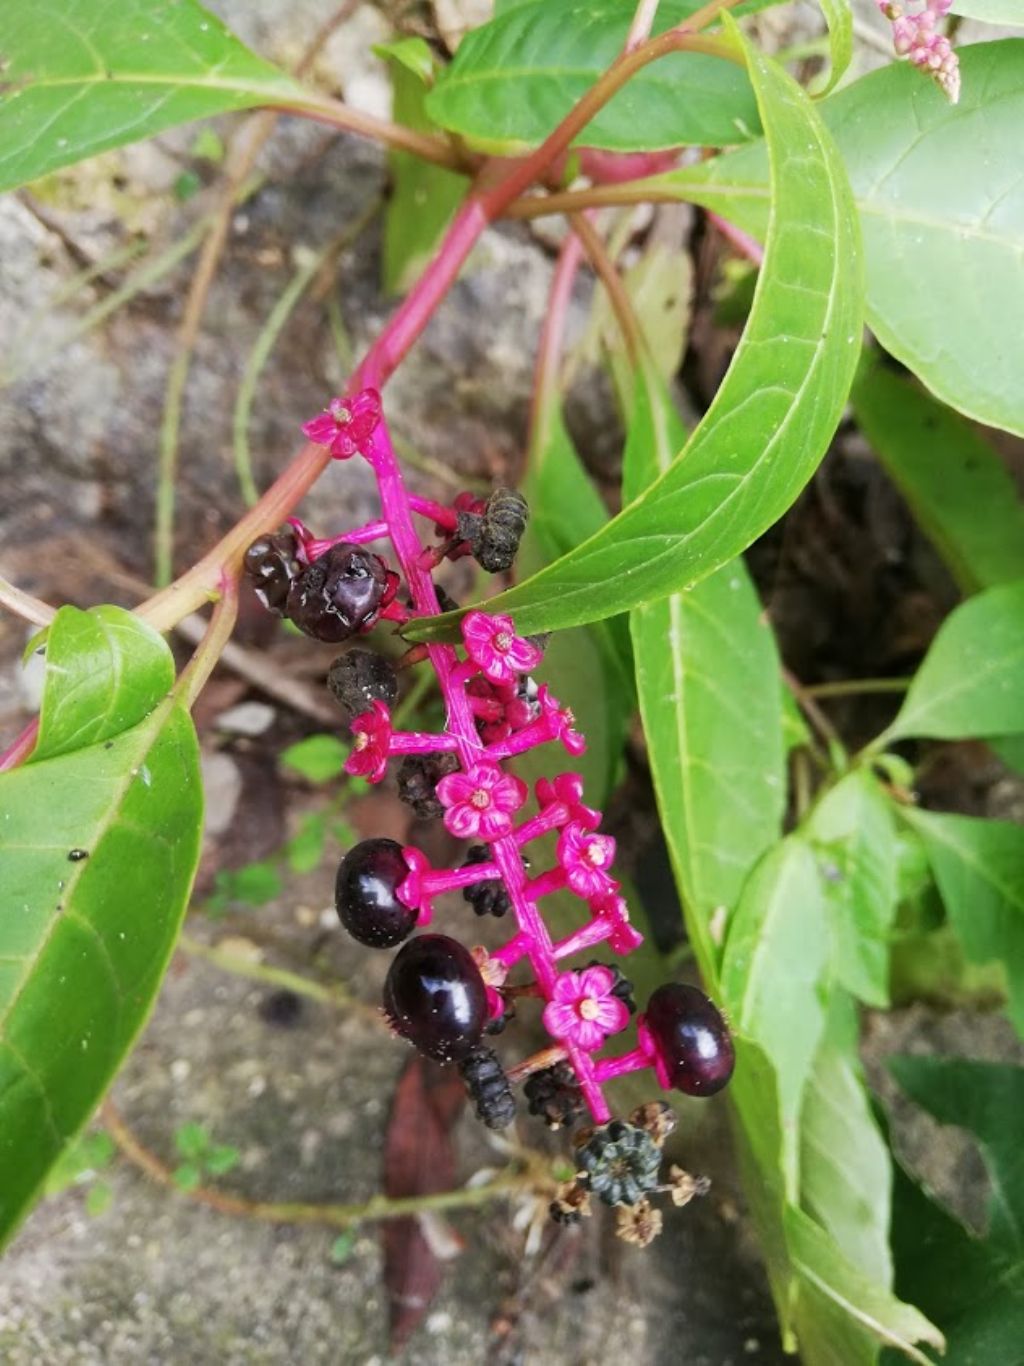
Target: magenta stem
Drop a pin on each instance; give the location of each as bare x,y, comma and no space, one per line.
20,748
417,742
451,879
372,531
511,952
550,818
594,932
546,883
536,733
437,512
634,1061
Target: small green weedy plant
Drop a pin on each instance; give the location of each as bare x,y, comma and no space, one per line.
893,199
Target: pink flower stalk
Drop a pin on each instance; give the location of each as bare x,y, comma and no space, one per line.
623,939
561,723
582,1009
494,647
568,788
915,37
346,424
369,757
480,802
584,856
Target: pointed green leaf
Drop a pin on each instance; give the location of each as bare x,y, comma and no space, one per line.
772,418
958,487
979,867
839,17
105,671
853,830
971,683
319,758
79,77
514,79
84,942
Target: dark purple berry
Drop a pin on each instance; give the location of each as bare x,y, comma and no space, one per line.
489,897
366,895
339,593
272,565
488,1087
358,678
435,997
692,1039
418,777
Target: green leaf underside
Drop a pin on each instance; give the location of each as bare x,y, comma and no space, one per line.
771,420
971,682
973,1288
83,945
942,213
772,968
979,868
514,79
957,485
105,671
82,76
853,830
839,17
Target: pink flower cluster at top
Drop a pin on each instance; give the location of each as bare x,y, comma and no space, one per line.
915,37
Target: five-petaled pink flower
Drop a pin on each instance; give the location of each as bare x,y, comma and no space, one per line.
481,802
583,1010
561,723
612,909
346,424
369,757
585,855
494,647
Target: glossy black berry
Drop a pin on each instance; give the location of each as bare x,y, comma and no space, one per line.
272,565
619,1163
554,1095
358,678
338,594
418,777
692,1039
366,896
489,897
488,1087
435,997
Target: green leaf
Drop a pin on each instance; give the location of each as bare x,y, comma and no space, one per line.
306,847
839,17
979,868
959,489
84,944
221,1159
937,189
969,684
187,1177
343,1247
319,758
191,1140
423,196
80,1161
772,418
1010,749
99,1199
514,79
105,671
773,968
253,885
990,11
853,830
80,77
708,679
973,1288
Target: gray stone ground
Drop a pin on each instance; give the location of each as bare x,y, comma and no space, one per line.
157,1279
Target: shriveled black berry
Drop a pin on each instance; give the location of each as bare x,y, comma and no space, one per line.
622,987
366,896
619,1163
358,678
418,777
503,523
691,1037
338,594
554,1095
435,997
489,897
272,565
488,1087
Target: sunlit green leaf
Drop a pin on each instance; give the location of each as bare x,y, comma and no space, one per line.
319,758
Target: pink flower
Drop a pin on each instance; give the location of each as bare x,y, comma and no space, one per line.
582,1009
914,37
346,424
494,647
612,909
481,802
584,856
561,723
568,788
369,757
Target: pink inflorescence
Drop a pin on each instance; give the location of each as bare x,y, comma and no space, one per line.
915,36
439,996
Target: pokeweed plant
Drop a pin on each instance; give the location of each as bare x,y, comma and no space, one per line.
869,199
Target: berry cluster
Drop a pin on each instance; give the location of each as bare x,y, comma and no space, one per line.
441,996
